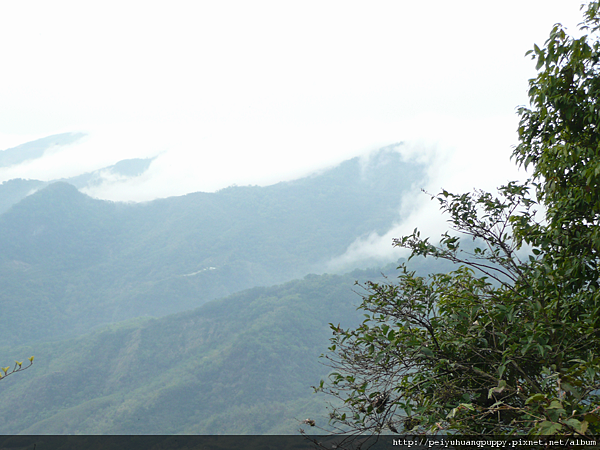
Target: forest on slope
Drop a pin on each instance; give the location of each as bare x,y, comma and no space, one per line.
244,364
240,365
70,262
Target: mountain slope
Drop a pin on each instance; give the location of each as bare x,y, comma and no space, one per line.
69,262
15,190
240,365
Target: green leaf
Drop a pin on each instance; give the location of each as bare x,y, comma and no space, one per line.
555,404
576,424
549,428
427,352
535,398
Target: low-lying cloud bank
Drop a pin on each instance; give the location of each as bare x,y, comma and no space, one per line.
458,159
460,155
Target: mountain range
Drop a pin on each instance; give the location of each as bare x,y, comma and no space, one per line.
157,317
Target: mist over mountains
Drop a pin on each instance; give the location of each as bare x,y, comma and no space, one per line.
145,278
36,149
14,190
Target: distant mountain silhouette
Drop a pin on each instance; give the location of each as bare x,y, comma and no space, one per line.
13,191
35,149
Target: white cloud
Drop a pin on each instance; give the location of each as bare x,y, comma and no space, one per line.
460,156
263,91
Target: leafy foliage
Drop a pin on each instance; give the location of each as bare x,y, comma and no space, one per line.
509,342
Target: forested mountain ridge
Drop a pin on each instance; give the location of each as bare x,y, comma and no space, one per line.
15,190
70,262
240,365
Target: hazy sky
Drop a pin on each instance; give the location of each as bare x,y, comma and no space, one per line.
254,92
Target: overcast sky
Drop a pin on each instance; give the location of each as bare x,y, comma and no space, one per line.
254,92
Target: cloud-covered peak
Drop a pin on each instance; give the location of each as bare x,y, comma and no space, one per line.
36,149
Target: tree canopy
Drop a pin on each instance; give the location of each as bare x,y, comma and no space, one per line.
509,342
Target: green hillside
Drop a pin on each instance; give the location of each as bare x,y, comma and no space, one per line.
241,365
70,263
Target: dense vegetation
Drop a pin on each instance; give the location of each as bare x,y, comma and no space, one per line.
240,365
515,350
